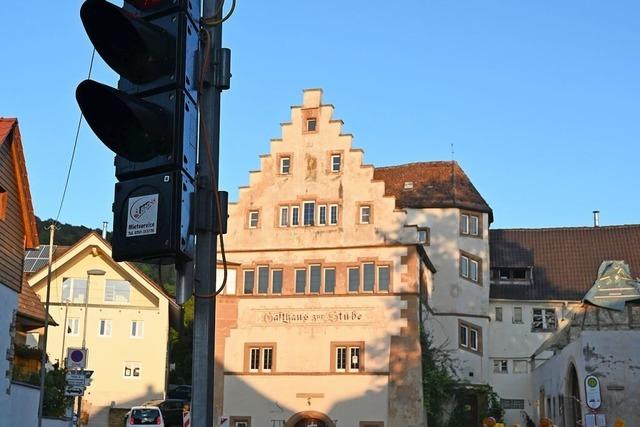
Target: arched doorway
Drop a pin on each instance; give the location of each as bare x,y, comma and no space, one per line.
574,408
310,419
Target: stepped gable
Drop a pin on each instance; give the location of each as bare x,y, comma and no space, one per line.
565,261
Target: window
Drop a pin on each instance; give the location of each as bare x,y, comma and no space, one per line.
348,357
423,235
500,366
473,272
132,369
365,214
512,403
544,319
464,224
249,277
517,275
314,278
474,225
137,329
3,203
240,422
368,277
336,160
309,210
520,366
311,125
470,224
104,328
498,314
329,280
73,326
383,278
74,290
470,267
322,215
517,315
260,357
295,216
284,216
263,280
301,281
354,279
333,214
470,337
118,291
276,281
464,266
285,165
253,219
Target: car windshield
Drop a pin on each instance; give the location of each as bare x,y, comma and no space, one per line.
146,416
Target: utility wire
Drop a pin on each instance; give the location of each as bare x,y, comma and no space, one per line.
75,144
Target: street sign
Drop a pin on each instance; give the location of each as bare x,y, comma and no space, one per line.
592,391
76,379
74,391
76,358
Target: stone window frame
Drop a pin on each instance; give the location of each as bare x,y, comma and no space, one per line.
348,344
326,217
470,257
279,164
470,326
233,420
261,346
330,155
323,282
310,114
303,204
329,217
250,212
362,205
469,214
427,231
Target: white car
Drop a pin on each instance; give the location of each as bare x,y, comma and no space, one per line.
145,416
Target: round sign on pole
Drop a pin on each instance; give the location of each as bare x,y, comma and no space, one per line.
592,391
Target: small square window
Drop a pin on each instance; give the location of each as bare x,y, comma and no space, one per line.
132,370
500,366
253,219
336,163
517,314
365,214
311,125
285,165
423,236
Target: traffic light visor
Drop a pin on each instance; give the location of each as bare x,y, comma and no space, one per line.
131,127
136,49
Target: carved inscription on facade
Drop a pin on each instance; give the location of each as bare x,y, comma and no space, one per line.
315,316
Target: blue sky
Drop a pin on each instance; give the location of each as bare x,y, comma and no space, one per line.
540,97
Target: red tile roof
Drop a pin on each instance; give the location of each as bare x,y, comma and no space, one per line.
565,260
29,304
435,185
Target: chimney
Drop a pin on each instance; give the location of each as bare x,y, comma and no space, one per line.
596,218
104,229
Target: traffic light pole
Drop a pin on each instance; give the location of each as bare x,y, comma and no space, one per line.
202,396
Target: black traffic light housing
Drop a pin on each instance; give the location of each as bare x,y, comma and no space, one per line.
150,122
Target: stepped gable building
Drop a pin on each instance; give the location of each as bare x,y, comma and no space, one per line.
538,279
319,323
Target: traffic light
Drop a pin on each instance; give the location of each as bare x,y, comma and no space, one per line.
150,121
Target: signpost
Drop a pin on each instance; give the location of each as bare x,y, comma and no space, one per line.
76,358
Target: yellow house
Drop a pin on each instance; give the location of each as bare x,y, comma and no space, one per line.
127,324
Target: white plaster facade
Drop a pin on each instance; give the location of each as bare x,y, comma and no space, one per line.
8,307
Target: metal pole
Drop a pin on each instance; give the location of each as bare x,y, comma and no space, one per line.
205,274
43,359
86,307
64,334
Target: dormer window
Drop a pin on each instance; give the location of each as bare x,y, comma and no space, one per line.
408,185
285,165
311,125
511,275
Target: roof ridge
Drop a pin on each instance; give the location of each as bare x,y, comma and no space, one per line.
432,162
578,227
